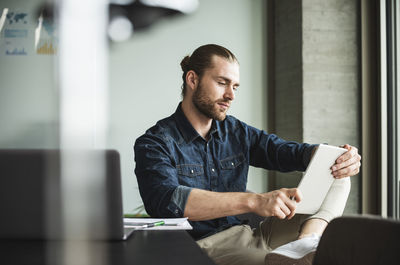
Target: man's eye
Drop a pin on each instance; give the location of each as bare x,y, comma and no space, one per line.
222,83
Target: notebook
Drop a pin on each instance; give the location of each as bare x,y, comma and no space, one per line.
30,197
317,178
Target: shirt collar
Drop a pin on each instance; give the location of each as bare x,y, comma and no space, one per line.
186,128
216,129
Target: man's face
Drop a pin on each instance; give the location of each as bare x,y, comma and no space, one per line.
216,88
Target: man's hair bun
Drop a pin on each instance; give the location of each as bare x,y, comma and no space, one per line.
185,63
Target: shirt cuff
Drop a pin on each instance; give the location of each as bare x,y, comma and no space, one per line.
178,200
307,154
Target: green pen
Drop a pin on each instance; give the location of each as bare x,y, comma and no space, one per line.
153,224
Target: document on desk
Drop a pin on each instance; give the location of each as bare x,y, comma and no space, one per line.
169,223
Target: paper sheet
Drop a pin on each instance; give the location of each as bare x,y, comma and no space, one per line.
170,223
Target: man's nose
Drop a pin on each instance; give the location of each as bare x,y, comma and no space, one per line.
229,93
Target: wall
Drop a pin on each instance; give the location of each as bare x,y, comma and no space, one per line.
331,92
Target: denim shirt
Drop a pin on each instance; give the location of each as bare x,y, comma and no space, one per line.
172,158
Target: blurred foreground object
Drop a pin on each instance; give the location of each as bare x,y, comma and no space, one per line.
127,16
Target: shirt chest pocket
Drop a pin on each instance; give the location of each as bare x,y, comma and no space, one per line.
191,175
232,161
234,172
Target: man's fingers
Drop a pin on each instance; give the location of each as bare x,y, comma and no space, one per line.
289,202
291,215
282,211
352,160
279,213
347,164
294,194
283,205
347,172
292,206
343,172
354,172
285,209
349,154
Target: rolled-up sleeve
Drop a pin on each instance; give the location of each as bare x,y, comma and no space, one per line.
156,174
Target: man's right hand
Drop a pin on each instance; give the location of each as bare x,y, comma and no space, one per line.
277,203
206,205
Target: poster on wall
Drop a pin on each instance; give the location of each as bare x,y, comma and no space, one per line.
22,34
15,39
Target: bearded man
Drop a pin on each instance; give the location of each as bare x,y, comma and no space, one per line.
195,163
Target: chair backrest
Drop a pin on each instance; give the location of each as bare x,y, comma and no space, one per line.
360,240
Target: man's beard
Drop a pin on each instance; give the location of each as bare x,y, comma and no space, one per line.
206,106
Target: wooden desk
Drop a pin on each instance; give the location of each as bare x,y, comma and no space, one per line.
143,247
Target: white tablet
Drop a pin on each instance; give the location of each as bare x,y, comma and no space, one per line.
317,179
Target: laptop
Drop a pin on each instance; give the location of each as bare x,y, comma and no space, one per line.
31,201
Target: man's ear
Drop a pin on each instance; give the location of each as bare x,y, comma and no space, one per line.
192,80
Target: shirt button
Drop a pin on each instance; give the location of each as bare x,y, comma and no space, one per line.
233,164
212,170
191,171
176,211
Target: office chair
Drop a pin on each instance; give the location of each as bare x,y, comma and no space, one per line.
362,240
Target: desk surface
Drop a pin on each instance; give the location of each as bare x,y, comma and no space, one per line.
143,247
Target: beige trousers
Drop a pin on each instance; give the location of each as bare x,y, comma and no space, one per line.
241,245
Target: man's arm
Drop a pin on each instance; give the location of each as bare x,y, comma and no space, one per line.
163,196
271,152
157,178
206,205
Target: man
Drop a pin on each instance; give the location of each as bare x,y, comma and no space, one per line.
195,164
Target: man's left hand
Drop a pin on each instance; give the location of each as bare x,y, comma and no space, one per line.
348,164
